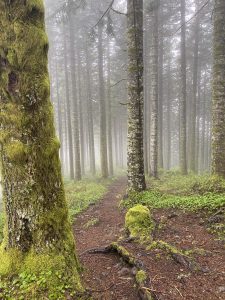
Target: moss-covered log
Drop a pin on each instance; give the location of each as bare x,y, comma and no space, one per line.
37,223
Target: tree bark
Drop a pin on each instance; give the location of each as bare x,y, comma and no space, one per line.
154,58
135,151
36,211
218,92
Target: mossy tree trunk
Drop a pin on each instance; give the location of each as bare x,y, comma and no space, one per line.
218,96
136,177
36,211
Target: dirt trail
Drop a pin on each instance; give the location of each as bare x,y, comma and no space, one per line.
104,273
111,280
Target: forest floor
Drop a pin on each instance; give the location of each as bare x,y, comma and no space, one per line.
109,279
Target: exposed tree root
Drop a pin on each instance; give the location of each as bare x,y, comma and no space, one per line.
177,255
141,277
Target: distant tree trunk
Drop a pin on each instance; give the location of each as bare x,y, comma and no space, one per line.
103,128
218,96
37,225
135,152
154,58
160,90
109,110
168,115
183,97
74,98
90,115
80,110
68,109
193,111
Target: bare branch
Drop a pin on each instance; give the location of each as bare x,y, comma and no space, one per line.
104,14
118,12
188,21
124,79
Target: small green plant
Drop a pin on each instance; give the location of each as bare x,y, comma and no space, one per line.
190,193
80,195
92,222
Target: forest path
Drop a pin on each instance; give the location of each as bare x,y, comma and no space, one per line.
104,272
107,276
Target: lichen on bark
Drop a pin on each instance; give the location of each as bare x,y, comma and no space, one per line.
218,90
135,149
35,206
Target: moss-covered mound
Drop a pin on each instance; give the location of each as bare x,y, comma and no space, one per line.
139,223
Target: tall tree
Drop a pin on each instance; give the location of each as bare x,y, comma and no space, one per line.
218,93
154,58
103,128
37,224
193,113
91,140
136,177
74,98
183,96
68,106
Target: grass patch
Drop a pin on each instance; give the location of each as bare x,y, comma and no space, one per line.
80,195
190,193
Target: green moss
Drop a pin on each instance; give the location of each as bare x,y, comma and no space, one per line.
33,274
16,151
141,277
139,223
92,222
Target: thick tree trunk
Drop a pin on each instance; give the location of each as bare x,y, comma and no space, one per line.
36,212
154,58
218,97
183,96
136,177
103,128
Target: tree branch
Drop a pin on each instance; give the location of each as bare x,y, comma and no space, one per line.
124,79
188,21
118,12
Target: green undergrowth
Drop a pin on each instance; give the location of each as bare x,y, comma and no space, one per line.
189,193
80,195
39,276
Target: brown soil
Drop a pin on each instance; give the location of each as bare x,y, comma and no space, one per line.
109,279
